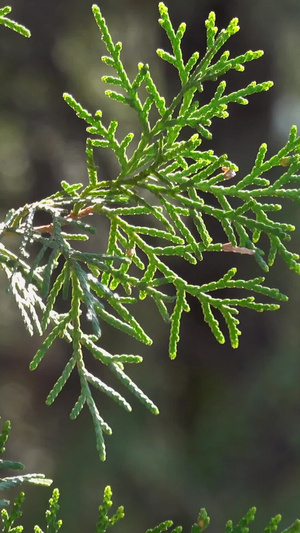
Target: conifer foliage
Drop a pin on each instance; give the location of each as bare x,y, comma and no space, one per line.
156,212
159,207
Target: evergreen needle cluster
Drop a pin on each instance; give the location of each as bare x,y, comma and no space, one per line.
159,207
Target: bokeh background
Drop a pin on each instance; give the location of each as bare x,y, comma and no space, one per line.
228,436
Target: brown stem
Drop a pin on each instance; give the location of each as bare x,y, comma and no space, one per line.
48,228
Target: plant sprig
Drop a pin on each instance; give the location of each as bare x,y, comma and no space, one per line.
11,24
159,208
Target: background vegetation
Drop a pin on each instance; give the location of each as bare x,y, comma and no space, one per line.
228,435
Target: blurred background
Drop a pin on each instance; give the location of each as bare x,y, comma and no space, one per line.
228,436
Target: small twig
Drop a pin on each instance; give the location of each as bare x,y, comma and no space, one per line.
48,228
227,247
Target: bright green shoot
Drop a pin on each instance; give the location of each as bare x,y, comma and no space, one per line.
11,24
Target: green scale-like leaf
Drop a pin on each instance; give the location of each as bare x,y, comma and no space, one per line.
11,24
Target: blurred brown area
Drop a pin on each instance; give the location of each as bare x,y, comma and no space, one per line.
228,436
